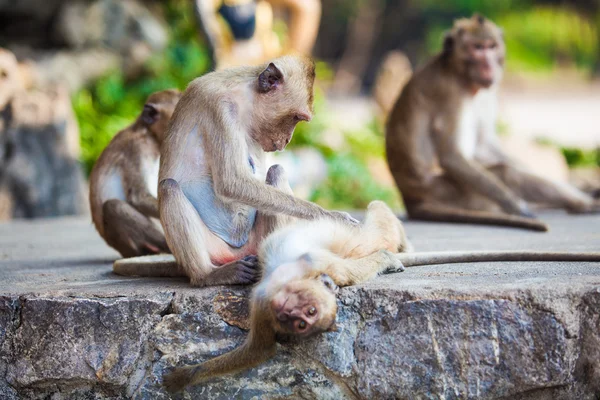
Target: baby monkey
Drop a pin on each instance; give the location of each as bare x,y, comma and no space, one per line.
124,181
302,266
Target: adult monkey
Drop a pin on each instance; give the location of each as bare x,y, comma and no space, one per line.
212,195
124,181
441,144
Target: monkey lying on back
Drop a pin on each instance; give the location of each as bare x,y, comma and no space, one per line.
303,263
442,147
124,181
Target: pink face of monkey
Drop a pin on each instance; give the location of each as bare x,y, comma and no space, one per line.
305,307
477,49
485,59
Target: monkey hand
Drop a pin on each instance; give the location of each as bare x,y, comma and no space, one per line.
591,207
391,263
178,379
343,217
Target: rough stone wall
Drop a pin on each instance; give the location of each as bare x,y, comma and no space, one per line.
390,345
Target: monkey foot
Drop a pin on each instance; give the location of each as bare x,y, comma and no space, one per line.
239,272
393,263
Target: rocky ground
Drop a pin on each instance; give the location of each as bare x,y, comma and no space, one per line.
70,329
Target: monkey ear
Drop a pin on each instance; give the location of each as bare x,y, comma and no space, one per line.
329,283
149,114
479,18
448,42
269,79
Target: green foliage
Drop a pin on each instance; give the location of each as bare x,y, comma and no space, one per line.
350,183
581,158
114,102
539,38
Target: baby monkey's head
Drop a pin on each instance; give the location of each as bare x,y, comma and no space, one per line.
305,306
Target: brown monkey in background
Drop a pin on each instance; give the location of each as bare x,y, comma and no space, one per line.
441,143
212,195
124,181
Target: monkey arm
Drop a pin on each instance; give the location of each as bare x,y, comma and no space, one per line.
233,179
206,13
139,196
473,174
258,348
347,272
146,204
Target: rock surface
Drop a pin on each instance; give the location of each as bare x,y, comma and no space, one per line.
70,329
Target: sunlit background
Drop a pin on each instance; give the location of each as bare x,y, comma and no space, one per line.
550,97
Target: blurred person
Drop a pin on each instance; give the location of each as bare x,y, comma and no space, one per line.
240,32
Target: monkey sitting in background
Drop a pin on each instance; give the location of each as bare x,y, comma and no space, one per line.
442,147
124,181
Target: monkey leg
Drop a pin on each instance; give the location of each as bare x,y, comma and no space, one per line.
130,232
443,213
346,272
383,229
540,190
267,223
189,241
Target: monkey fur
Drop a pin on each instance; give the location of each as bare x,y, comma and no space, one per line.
212,192
442,147
124,181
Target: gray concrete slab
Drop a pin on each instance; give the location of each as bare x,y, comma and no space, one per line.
68,256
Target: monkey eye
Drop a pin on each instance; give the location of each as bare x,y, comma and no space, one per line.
312,311
493,45
478,46
301,325
3,74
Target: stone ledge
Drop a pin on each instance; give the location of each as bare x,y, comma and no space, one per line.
70,329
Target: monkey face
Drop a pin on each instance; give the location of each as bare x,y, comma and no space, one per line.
477,49
158,110
285,97
305,307
484,63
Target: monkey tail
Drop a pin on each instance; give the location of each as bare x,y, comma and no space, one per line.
450,257
453,214
161,265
